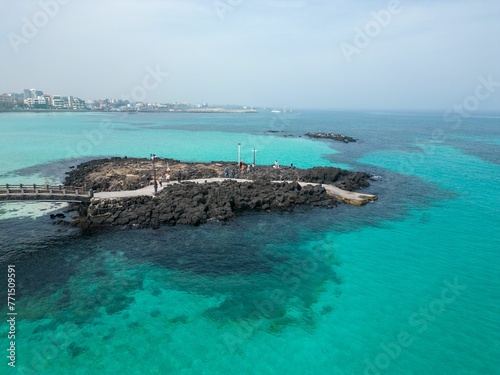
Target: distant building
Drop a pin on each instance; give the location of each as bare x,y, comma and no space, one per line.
38,102
29,93
65,101
48,99
57,102
75,103
7,101
34,98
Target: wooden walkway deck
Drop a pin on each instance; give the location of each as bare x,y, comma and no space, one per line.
44,193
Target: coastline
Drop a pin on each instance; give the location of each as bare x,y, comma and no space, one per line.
193,110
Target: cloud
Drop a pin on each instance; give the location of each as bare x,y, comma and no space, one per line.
263,52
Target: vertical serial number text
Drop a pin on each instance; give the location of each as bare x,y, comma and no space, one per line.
11,314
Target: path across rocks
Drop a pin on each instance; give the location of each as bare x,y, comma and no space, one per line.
353,198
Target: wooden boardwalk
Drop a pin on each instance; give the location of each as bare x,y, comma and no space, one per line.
60,193
33,192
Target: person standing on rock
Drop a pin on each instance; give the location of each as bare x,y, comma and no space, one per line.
276,165
161,180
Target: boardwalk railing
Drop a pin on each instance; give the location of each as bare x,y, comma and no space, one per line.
50,192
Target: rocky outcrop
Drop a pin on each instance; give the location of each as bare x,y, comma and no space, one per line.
335,137
341,178
268,189
118,174
193,204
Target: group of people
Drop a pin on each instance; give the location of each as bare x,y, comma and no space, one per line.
247,166
159,182
242,166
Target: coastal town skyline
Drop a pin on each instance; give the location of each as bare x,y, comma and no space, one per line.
40,100
287,54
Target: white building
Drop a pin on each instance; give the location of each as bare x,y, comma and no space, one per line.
38,102
75,103
7,100
57,102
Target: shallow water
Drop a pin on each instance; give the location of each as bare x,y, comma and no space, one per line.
406,285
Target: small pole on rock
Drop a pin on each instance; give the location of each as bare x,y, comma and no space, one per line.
254,152
153,157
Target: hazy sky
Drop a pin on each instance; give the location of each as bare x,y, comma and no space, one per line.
342,54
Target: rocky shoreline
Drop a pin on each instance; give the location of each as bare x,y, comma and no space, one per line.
194,204
183,202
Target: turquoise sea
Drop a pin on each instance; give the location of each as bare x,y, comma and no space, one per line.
406,285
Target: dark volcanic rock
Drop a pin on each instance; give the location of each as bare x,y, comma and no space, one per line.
335,137
193,204
190,203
